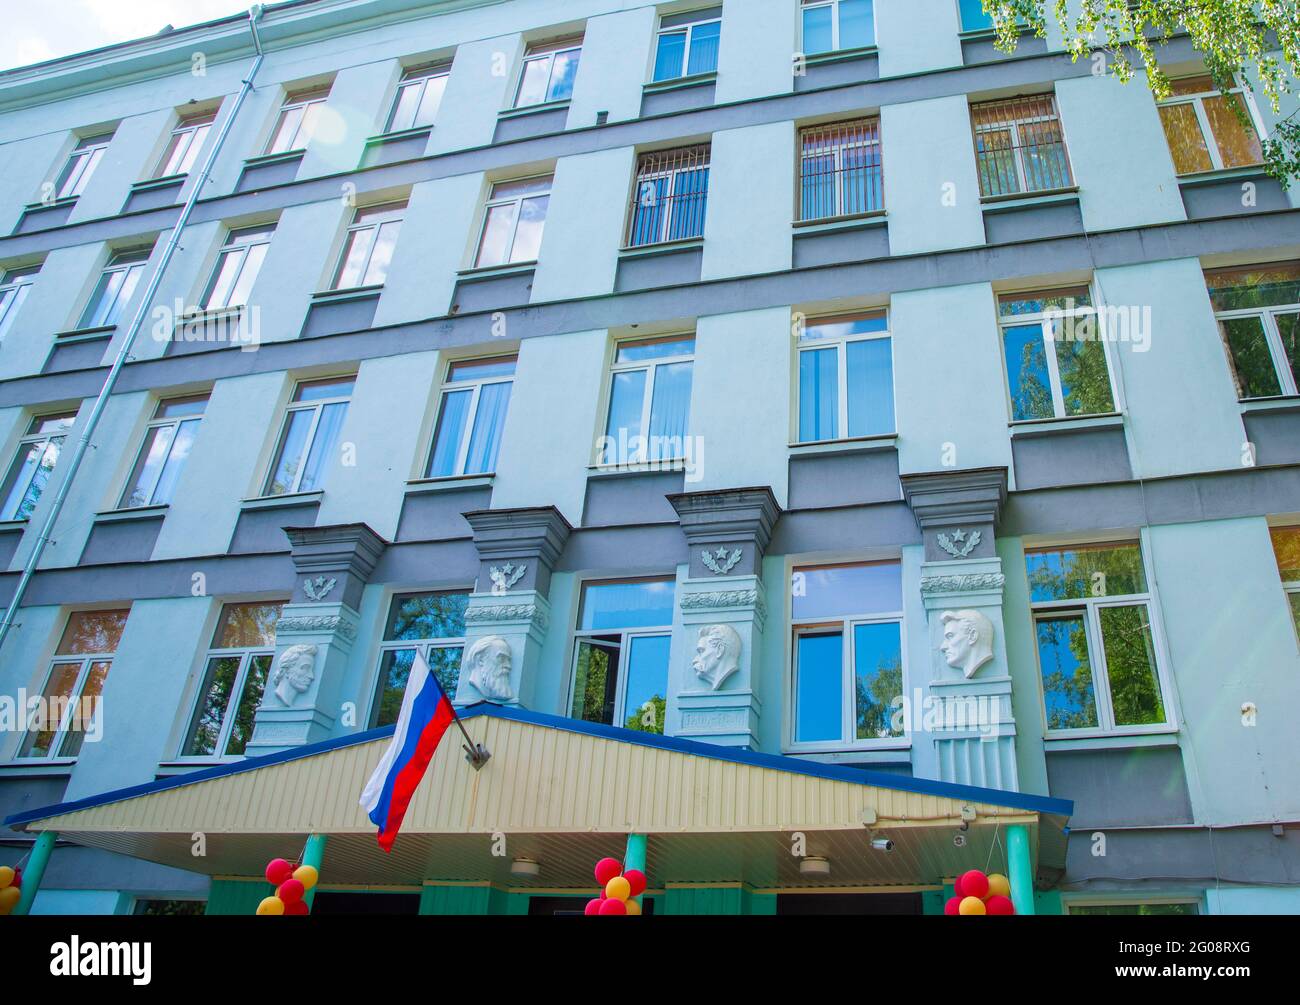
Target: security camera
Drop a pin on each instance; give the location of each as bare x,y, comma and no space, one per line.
882,844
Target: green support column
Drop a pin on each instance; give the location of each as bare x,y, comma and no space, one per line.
634,857
314,855
34,871
1020,868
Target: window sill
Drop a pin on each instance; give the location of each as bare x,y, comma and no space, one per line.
1046,427
36,207
1279,403
971,33
352,293
1019,200
694,80
826,224
639,468
493,271
448,483
133,513
661,248
397,135
538,109
851,444
1221,174
286,155
883,751
1166,737
839,55
36,767
84,334
166,181
282,501
183,766
7,526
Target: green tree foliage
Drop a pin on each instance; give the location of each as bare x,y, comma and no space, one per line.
1252,44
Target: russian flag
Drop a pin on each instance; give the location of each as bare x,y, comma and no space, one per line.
426,714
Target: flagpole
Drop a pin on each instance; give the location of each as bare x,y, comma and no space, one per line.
475,753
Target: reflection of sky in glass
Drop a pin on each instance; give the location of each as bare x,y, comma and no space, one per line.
416,616
844,590
1031,396
627,605
841,327
647,672
877,667
1067,706
1073,574
819,689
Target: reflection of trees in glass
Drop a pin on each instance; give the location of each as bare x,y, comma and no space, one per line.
170,908
591,696
428,616
247,625
635,720
1085,381
1286,548
1134,909
1252,363
1033,393
1075,573
875,693
93,632
1070,702
1131,665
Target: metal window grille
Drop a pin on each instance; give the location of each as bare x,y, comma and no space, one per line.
840,170
670,196
1019,146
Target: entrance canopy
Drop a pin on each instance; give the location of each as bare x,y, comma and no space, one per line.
564,794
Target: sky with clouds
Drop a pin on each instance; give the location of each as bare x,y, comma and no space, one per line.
47,29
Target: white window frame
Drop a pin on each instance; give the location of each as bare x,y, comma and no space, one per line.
184,143
1096,310
870,125
476,385
647,398
160,422
1273,338
317,405
421,646
246,656
417,77
309,101
841,344
241,242
15,284
626,635
545,52
688,28
845,625
1106,725
835,25
82,162
1197,101
377,217
1119,900
492,203
1014,125
31,439
126,263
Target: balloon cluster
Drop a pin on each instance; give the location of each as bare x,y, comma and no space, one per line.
290,883
618,889
980,894
11,889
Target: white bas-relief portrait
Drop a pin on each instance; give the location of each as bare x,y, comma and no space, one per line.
967,640
294,672
717,654
488,663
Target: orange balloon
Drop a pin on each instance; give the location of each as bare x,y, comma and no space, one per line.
999,885
633,906
618,888
6,876
306,875
9,898
971,905
271,905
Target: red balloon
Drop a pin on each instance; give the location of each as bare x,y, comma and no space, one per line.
611,906
290,891
636,880
593,905
607,869
998,904
973,884
297,907
953,904
17,883
277,871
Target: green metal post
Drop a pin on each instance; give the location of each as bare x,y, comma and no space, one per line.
634,857
34,871
1020,869
314,855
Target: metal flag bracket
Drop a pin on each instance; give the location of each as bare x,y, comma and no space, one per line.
477,755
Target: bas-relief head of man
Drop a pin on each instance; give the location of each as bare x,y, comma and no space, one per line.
717,654
294,672
489,662
967,640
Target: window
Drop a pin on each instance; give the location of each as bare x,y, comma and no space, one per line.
830,25
167,444
620,660
1286,549
1019,146
512,222
368,247
418,96
299,116
649,400
1258,311
839,170
670,196
311,430
153,907
236,669
846,377
472,414
1137,908
38,453
1203,129
237,267
973,17
1096,645
113,291
688,44
432,623
85,157
847,648
548,72
14,286
70,701
185,143
1055,355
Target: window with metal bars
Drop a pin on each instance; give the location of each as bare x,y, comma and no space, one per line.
670,196
1019,146
840,170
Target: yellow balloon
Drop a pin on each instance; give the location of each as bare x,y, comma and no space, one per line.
632,906
971,905
6,876
618,888
9,898
306,875
999,885
271,905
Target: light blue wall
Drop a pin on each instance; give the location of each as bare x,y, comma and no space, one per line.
614,66
756,49
89,902
1253,900
905,49
584,225
751,201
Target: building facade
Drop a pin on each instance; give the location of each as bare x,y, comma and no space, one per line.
808,390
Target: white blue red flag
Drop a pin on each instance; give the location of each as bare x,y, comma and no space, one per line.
426,714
